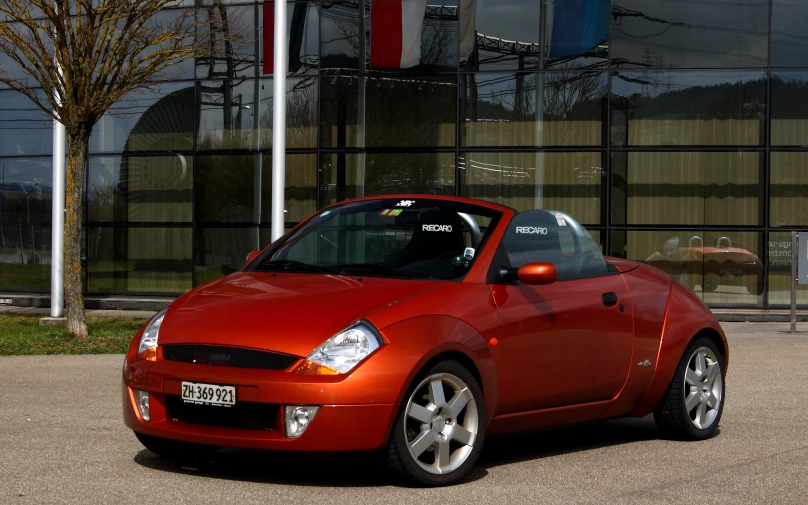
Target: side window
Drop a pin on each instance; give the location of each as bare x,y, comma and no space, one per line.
540,236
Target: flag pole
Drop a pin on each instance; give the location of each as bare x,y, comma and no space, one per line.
57,304
539,138
360,172
279,122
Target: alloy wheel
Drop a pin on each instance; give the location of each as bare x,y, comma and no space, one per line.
441,422
704,387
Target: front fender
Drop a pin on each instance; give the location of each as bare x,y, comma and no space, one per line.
419,340
685,318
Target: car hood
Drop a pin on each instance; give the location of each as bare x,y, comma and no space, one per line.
285,312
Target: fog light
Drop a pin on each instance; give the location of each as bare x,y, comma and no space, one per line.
142,400
298,418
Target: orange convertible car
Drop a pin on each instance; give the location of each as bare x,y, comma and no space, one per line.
419,326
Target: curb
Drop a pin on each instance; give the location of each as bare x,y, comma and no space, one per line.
90,303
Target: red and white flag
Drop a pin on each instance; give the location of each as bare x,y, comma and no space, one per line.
395,33
396,27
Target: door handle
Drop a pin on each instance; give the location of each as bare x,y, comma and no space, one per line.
609,299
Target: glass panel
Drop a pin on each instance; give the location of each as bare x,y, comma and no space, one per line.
25,254
223,126
25,216
139,260
301,187
302,27
182,69
400,111
577,33
567,182
25,129
788,190
688,108
140,188
161,119
342,175
507,35
789,124
339,112
233,127
301,113
500,109
339,46
11,67
238,188
439,31
722,267
234,51
779,288
411,112
681,188
222,251
26,186
693,34
788,33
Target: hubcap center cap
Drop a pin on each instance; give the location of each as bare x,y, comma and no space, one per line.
438,424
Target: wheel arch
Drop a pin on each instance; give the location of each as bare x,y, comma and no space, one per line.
716,338
444,337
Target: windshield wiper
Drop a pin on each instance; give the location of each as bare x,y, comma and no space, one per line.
290,265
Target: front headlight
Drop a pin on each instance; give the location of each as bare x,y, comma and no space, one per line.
147,348
342,352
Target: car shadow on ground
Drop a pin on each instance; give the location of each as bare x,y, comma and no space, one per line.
370,469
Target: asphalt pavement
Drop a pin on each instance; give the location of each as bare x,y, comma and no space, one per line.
62,441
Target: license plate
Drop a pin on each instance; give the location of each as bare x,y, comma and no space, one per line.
208,394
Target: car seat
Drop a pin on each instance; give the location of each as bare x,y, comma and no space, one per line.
430,245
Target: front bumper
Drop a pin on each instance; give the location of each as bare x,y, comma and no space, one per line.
342,423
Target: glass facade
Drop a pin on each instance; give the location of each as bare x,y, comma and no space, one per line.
674,130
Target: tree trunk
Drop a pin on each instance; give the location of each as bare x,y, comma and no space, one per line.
78,140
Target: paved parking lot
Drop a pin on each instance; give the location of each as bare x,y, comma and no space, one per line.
62,441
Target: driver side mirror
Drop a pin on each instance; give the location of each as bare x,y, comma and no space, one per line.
251,256
532,273
538,273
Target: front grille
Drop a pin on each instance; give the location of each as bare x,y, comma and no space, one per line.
242,415
228,356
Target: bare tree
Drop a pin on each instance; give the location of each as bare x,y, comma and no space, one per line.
86,55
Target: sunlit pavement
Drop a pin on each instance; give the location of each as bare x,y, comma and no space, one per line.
62,441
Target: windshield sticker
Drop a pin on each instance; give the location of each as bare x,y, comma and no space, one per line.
469,253
445,228
391,212
560,219
531,230
405,203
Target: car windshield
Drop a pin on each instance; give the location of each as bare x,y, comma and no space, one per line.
421,239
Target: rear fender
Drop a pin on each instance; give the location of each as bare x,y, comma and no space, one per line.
685,318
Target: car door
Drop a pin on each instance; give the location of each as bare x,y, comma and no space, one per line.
564,343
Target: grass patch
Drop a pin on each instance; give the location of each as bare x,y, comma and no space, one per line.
22,335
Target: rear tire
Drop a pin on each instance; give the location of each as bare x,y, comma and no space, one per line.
175,449
692,407
440,429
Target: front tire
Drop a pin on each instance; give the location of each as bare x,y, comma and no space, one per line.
440,430
692,407
174,449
